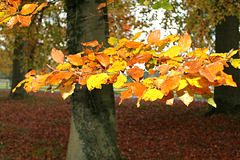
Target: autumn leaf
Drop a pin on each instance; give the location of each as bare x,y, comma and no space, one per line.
112,41
126,27
28,9
164,68
136,73
66,91
186,95
64,66
136,36
101,5
57,56
154,37
91,44
126,94
96,81
40,7
211,70
172,52
121,79
170,84
133,44
57,76
235,63
15,3
152,94
185,42
38,82
103,59
117,66
30,73
75,59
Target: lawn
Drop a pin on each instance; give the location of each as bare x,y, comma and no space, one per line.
38,128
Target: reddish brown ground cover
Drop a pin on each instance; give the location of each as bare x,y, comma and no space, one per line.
38,128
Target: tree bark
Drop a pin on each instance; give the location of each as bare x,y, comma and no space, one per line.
93,132
227,38
18,68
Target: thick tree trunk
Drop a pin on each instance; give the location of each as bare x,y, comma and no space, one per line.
18,67
93,132
227,38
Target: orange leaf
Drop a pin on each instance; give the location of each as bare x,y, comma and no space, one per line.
126,27
101,5
91,44
136,73
57,76
75,59
40,7
15,3
132,44
30,73
28,9
57,56
24,20
192,66
121,53
38,82
138,89
164,68
211,70
170,84
126,94
154,36
185,42
103,59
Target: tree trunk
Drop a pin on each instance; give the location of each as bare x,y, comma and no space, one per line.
93,132
18,68
227,38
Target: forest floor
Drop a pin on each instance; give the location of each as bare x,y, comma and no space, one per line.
38,128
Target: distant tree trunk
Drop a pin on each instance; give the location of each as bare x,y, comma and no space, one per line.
93,132
18,67
227,38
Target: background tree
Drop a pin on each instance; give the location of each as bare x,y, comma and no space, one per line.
93,124
47,26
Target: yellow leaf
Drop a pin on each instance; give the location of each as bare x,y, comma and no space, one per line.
149,82
118,66
96,81
121,79
66,90
236,63
138,34
172,52
64,66
210,99
182,84
19,85
199,82
186,95
112,41
110,51
152,94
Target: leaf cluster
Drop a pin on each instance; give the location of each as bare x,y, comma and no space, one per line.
179,72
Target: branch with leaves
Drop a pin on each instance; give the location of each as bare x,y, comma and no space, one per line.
9,12
180,72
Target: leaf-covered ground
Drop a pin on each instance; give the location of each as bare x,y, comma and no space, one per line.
38,128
